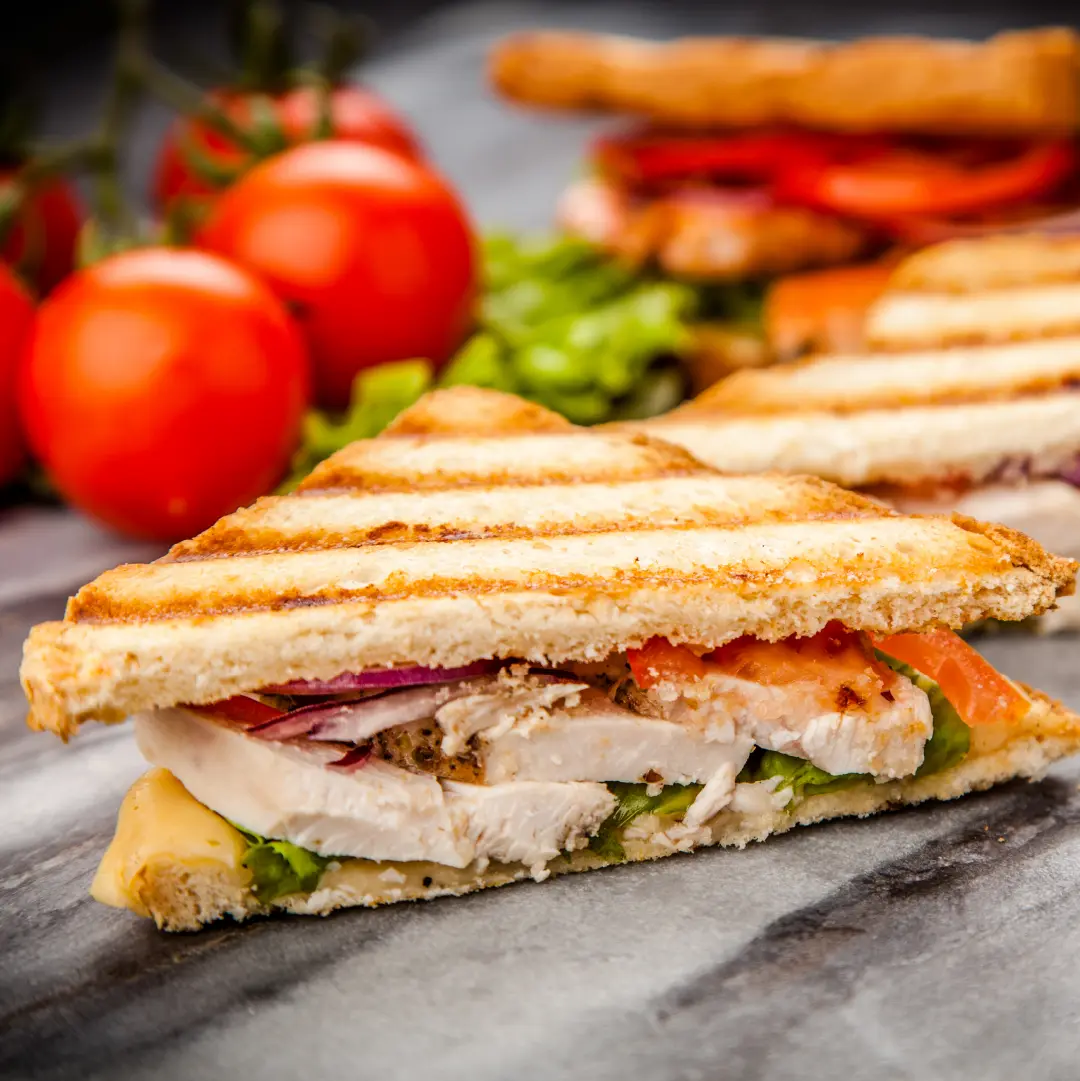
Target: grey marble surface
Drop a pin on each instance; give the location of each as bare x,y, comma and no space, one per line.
942,942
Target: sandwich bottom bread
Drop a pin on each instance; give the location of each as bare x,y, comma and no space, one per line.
489,646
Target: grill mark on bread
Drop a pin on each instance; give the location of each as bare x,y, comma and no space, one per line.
847,384
743,560
422,463
981,264
877,446
259,619
325,521
919,320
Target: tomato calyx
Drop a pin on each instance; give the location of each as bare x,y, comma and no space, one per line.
269,105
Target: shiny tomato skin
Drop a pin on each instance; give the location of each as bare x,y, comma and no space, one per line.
372,253
16,319
977,690
659,660
356,115
163,388
42,243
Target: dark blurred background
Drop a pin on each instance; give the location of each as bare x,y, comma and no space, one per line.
428,58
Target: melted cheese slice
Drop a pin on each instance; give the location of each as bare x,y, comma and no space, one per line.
162,825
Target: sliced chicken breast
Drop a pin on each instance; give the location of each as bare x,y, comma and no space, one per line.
380,812
883,735
587,737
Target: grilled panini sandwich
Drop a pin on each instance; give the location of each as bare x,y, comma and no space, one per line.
488,646
969,403
746,158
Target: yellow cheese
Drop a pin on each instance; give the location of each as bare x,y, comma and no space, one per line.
162,825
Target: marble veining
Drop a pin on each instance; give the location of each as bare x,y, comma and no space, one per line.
935,943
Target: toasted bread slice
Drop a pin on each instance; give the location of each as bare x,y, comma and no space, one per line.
1021,83
991,289
907,446
548,544
992,262
847,384
175,860
917,320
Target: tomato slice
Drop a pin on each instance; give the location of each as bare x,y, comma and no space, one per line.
660,660
241,710
904,182
834,657
980,693
652,157
824,310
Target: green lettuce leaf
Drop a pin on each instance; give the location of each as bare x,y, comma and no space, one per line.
634,801
947,747
951,741
378,395
557,323
279,868
801,776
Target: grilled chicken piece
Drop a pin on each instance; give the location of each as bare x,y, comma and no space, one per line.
703,233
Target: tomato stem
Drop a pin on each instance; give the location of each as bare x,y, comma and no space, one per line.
262,47
345,41
186,98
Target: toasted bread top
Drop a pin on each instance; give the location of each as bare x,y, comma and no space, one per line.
979,264
547,544
1020,83
846,384
967,442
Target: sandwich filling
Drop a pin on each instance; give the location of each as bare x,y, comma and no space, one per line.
510,763
733,204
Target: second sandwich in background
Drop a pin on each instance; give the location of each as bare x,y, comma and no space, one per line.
748,158
971,406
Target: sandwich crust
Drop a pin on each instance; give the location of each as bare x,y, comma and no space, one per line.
547,545
1013,84
163,872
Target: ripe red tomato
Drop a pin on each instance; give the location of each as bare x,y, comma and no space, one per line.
16,318
372,253
42,243
356,116
163,388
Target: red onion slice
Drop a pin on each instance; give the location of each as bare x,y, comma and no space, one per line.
355,722
383,677
241,710
1071,474
352,760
